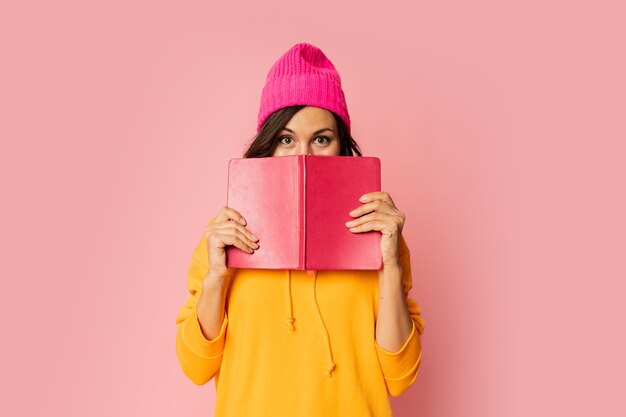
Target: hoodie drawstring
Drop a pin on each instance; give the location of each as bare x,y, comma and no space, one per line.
331,365
291,319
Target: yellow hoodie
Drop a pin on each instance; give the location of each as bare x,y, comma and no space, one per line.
292,344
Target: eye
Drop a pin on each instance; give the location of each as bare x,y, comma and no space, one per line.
285,137
323,137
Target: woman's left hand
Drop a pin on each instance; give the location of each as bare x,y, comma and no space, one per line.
378,212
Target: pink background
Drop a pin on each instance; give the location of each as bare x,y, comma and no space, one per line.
501,129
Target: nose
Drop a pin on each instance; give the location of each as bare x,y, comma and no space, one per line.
303,149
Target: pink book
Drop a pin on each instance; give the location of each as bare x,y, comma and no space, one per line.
297,206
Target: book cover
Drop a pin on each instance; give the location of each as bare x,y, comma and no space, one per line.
297,205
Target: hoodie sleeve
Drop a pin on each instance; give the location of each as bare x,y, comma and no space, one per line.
400,368
199,357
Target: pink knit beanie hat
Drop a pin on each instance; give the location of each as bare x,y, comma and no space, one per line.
303,75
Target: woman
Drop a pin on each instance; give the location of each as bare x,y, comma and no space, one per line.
302,343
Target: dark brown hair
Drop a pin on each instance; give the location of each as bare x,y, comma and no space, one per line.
265,141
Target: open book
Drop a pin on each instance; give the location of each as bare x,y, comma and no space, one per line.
298,205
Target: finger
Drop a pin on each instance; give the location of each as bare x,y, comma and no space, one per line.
378,225
242,237
228,213
368,226
378,205
233,240
368,218
228,225
377,195
239,234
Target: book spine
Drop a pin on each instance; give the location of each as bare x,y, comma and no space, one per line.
302,209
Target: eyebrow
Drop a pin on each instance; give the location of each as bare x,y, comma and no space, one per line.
315,133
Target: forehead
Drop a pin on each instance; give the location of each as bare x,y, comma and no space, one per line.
311,118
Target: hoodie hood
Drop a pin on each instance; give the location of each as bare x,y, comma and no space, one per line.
291,320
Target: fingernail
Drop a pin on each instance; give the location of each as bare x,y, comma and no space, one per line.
363,198
254,237
349,223
242,221
353,212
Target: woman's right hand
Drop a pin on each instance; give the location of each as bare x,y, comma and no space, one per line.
227,229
